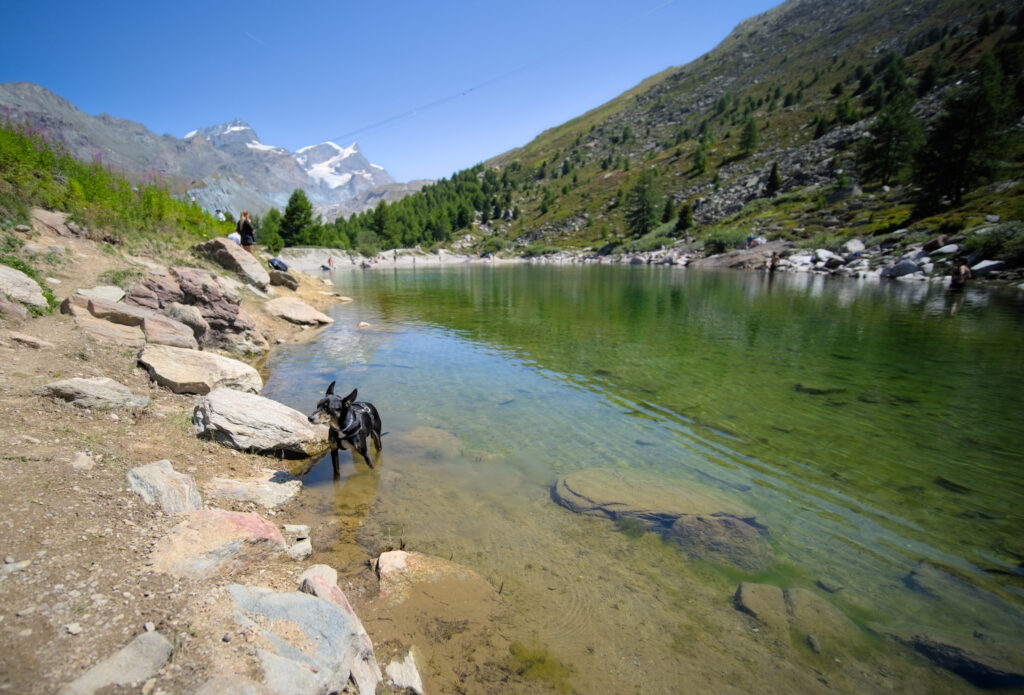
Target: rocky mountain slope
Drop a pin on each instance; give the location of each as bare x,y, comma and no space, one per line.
224,166
806,81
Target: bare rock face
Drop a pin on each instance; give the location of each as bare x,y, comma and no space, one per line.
295,310
159,483
249,422
226,325
96,392
214,542
191,371
234,257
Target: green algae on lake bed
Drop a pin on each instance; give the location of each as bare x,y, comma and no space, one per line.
900,446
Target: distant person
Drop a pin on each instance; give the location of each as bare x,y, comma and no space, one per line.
246,231
220,215
773,264
961,274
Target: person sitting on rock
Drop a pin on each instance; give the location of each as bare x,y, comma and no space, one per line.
246,231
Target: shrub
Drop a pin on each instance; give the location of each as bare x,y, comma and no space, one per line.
720,241
1004,242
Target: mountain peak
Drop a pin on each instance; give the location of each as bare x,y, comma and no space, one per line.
237,131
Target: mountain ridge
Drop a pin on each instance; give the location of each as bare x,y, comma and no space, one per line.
224,166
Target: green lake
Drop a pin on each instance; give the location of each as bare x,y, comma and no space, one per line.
876,429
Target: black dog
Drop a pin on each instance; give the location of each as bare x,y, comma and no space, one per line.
351,422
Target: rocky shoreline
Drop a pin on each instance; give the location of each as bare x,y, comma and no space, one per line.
144,547
156,538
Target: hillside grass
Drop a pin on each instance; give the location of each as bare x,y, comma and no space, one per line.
138,216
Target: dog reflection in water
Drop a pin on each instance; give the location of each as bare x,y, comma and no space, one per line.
352,423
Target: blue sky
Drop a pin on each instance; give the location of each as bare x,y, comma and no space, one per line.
426,88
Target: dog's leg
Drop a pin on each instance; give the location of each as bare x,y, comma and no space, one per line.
359,444
332,438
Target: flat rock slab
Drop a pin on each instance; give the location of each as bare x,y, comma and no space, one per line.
214,542
404,573
316,646
95,392
116,333
191,371
30,340
802,613
136,662
111,293
268,489
233,257
249,422
159,483
652,500
295,310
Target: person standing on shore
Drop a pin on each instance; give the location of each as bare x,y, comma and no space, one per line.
246,230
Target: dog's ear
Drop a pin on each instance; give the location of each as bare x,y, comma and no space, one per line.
330,389
351,398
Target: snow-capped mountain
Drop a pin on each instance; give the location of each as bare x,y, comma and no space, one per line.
223,166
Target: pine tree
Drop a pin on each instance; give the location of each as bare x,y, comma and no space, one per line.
895,137
700,160
668,212
750,138
968,139
774,180
297,223
642,204
270,234
685,219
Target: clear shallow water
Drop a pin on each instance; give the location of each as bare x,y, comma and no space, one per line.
871,427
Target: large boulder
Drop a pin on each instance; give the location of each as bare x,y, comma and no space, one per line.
234,257
191,371
253,423
214,542
95,392
159,483
20,288
284,279
314,647
295,310
268,489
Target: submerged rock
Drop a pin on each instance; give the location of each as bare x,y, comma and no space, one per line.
982,662
647,498
723,540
